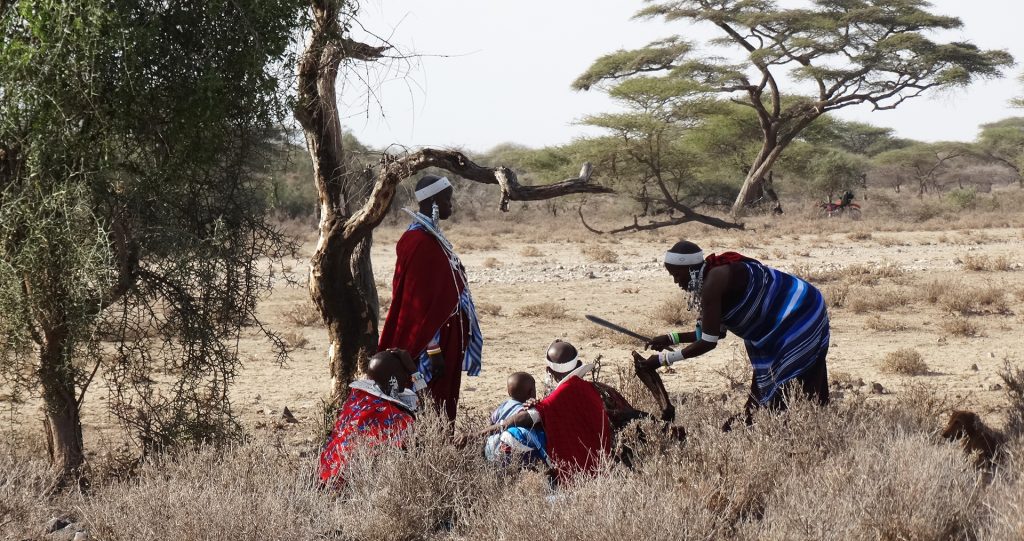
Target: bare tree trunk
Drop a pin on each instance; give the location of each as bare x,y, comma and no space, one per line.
754,181
62,422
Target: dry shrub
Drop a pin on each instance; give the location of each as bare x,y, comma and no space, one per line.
488,308
959,300
836,295
959,326
859,235
1013,383
303,315
672,311
986,263
491,263
892,486
599,254
542,310
875,299
888,241
992,298
294,340
935,290
904,361
736,372
530,251
877,323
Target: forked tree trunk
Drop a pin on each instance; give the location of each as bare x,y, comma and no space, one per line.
340,274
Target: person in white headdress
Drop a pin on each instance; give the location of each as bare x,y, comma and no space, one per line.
432,315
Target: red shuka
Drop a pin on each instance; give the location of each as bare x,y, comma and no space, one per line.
577,427
424,297
364,419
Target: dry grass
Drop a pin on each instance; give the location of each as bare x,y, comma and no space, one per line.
672,311
906,362
856,470
599,254
987,264
531,251
836,295
959,326
877,323
488,308
877,299
294,340
542,310
491,263
303,315
859,235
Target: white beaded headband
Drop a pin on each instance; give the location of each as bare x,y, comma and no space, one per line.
432,189
672,258
562,368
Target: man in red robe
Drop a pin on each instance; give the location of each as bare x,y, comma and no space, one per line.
573,416
379,410
432,314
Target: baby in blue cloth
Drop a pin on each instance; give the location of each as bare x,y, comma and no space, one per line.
526,443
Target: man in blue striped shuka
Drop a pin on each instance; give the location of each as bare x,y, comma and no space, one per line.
781,319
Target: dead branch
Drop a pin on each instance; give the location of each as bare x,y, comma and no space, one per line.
637,226
395,169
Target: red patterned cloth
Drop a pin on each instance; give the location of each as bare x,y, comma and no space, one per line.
726,258
424,298
577,427
365,419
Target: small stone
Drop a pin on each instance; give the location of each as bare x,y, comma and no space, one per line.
991,355
995,387
268,411
876,388
286,416
974,367
81,536
860,382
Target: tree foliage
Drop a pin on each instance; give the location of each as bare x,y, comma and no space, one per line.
838,53
132,201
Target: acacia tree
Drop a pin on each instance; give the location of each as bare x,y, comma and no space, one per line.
838,53
340,272
1003,142
648,143
132,206
925,163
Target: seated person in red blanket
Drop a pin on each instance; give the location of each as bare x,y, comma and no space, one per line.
576,426
380,409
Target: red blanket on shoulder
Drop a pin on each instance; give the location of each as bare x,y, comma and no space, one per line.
577,427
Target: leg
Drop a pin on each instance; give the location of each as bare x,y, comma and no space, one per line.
814,381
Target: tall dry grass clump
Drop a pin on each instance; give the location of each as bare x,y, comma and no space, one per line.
599,254
904,361
542,310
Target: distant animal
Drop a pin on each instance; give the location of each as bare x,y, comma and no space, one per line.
977,437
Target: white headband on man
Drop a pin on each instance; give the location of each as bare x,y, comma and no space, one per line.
562,368
672,258
432,189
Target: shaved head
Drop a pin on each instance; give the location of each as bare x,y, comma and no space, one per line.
522,386
388,364
562,352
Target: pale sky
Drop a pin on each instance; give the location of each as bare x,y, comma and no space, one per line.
496,71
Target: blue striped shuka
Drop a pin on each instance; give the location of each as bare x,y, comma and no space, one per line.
783,323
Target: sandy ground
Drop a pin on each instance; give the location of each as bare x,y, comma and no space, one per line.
510,276
621,279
